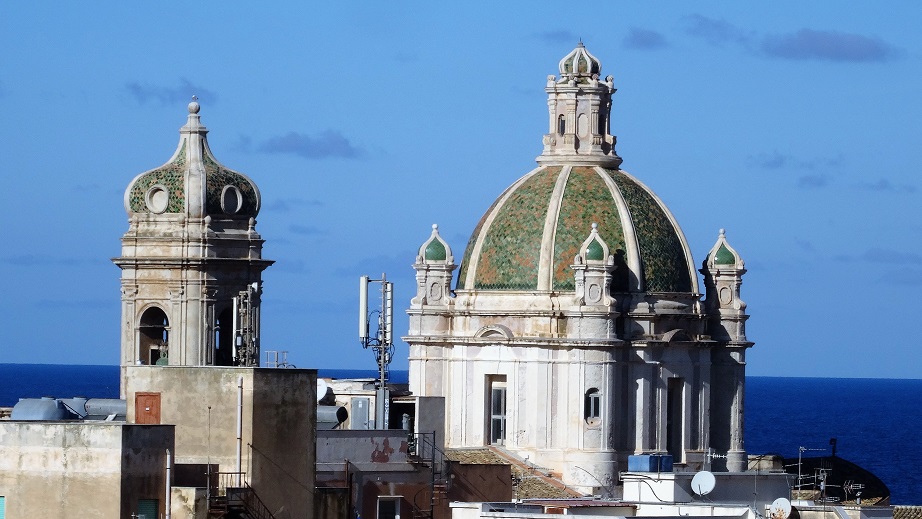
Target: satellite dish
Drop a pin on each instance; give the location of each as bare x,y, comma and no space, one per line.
703,483
321,389
780,509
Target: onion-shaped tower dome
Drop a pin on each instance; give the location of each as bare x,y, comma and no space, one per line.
580,64
193,183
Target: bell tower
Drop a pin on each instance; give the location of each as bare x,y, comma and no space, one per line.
191,261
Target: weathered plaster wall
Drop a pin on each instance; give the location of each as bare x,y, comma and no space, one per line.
279,418
62,469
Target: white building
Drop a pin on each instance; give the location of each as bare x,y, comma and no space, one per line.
575,333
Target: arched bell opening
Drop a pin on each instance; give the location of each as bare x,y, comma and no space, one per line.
153,337
224,338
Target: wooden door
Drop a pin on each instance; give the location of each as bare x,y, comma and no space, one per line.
147,408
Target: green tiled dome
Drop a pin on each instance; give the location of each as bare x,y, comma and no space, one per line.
529,237
435,251
595,251
724,256
163,190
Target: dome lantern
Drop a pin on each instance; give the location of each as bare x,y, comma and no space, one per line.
579,110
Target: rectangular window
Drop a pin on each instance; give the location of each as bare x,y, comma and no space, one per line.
592,411
148,509
675,417
497,409
388,507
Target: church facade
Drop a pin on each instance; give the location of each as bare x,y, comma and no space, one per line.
573,332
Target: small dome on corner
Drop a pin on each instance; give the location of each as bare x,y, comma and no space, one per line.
722,254
435,248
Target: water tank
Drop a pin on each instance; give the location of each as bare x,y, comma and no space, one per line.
77,408
45,408
330,416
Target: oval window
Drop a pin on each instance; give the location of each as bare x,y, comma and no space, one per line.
231,200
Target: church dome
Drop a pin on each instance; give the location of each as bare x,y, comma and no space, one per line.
193,182
531,234
529,237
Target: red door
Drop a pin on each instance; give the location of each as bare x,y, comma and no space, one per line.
147,408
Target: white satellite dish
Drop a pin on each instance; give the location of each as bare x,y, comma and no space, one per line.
780,509
321,389
703,483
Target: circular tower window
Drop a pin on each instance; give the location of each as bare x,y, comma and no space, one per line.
157,199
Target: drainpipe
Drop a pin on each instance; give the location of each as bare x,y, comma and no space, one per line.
169,485
239,427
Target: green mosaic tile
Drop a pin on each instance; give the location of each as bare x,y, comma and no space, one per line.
171,176
512,245
435,251
724,256
595,251
665,267
586,200
469,250
216,177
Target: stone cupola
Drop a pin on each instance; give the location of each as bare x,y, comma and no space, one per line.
579,111
191,260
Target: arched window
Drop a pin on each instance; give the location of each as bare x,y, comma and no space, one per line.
153,337
561,124
224,339
592,409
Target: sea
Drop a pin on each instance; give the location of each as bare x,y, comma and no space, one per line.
875,422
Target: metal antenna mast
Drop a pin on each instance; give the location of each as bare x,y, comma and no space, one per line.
246,334
382,342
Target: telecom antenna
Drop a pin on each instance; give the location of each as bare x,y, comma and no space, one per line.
381,342
246,334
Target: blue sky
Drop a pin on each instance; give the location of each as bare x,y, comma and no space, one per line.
794,125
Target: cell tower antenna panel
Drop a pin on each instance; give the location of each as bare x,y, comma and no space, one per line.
363,308
389,313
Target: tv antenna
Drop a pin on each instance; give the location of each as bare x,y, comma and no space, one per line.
382,342
800,455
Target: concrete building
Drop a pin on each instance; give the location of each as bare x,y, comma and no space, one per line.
574,334
58,470
251,428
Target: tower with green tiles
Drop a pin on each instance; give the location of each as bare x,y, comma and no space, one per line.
191,261
576,334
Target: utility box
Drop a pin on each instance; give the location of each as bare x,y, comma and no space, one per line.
649,463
